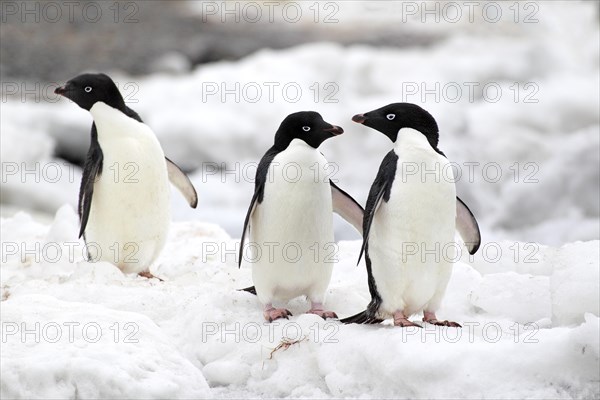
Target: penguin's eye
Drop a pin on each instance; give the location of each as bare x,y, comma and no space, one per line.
390,116
306,128
88,89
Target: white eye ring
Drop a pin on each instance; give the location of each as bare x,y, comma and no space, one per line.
306,128
390,116
88,89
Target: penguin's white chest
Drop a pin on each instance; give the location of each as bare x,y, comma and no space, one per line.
412,235
130,210
293,228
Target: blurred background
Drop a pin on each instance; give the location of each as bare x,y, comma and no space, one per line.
514,87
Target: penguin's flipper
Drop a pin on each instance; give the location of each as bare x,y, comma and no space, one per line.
347,207
92,168
132,114
259,190
467,226
246,226
380,190
181,181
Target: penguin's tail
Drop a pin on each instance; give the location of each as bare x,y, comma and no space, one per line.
249,289
364,317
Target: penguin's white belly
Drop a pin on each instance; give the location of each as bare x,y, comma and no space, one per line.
293,228
411,244
130,211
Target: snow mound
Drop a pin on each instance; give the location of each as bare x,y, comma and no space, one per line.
530,326
67,349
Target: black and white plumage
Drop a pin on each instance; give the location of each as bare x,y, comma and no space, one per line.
295,210
408,215
124,197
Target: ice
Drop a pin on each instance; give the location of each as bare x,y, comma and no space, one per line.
504,295
104,353
574,282
529,329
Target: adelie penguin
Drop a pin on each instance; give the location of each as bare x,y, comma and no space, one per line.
124,198
290,220
410,220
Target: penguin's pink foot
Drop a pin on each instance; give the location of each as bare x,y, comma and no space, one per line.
317,309
271,313
430,318
402,321
323,314
147,274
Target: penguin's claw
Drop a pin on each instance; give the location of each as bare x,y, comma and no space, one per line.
276,313
402,320
405,322
323,314
430,318
442,323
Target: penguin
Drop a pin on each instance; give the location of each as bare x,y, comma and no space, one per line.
289,220
124,197
410,219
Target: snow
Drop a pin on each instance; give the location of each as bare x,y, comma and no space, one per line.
530,321
529,300
100,354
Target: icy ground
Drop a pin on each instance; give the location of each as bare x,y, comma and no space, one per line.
72,329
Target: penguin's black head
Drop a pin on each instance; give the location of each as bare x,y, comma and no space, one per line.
308,126
88,89
393,117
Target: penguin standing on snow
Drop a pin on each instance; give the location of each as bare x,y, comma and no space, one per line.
410,220
124,198
290,222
